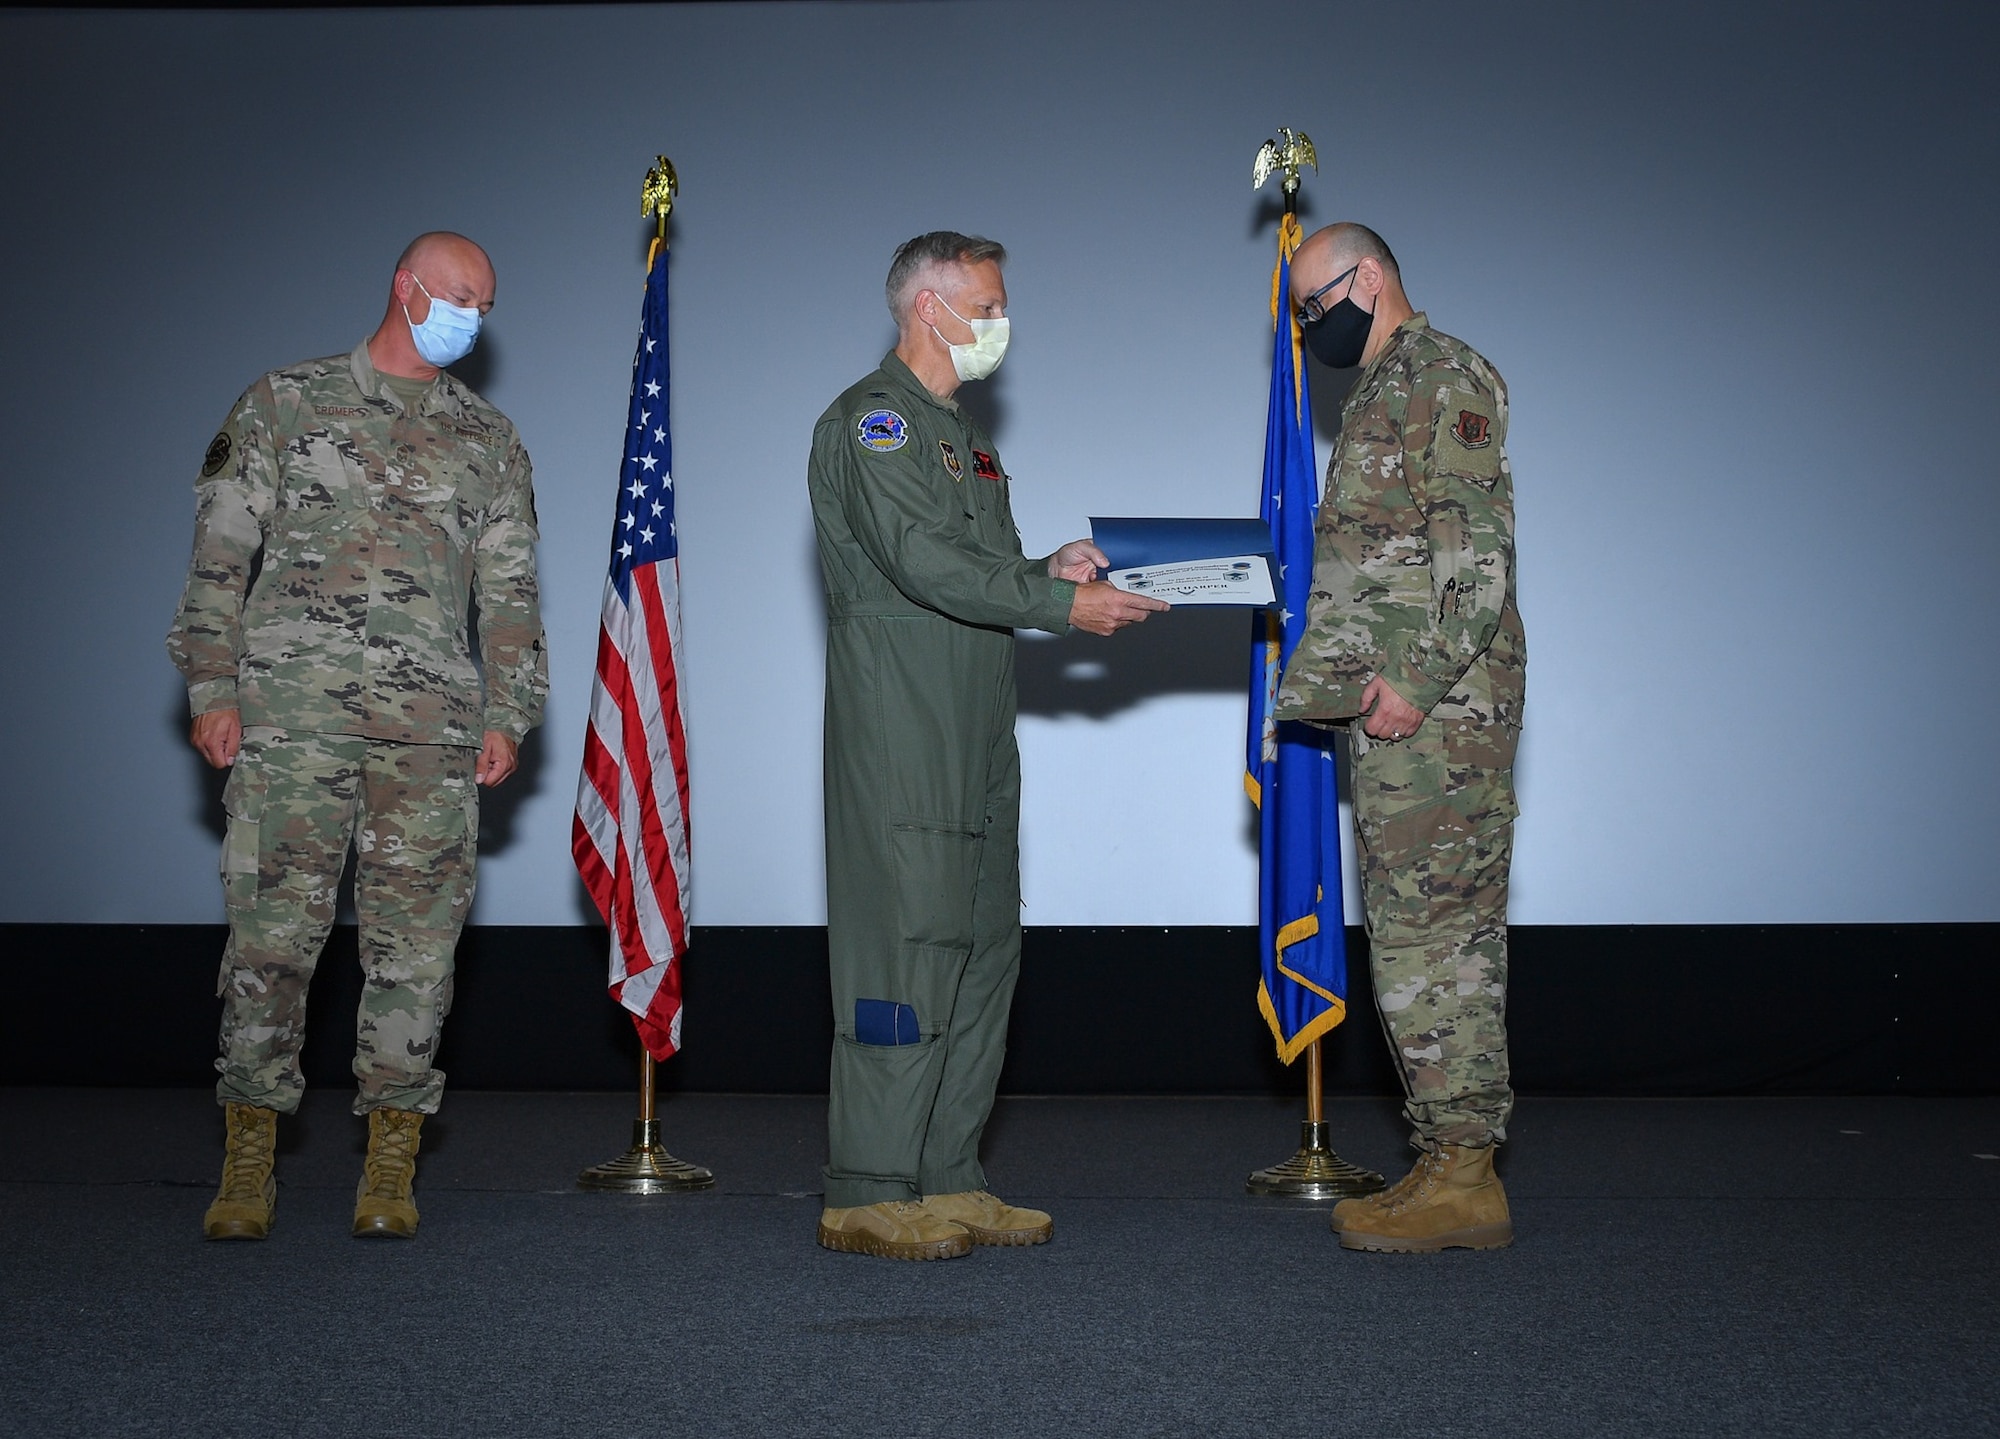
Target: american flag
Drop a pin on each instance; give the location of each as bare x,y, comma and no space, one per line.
630,837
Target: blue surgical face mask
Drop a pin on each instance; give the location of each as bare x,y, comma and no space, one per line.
448,331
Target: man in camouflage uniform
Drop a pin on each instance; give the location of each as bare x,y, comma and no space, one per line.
350,513
925,584
1413,641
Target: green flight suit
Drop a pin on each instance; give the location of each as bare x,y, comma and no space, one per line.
925,584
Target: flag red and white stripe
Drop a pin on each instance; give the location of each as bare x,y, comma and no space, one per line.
630,836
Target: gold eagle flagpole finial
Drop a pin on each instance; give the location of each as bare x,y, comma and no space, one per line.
1289,152
657,198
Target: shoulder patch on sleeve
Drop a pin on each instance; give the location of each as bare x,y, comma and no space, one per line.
882,430
217,456
1473,430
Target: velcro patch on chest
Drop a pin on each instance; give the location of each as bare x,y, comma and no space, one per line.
882,431
951,464
985,466
1473,430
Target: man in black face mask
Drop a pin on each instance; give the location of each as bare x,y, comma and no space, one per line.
1414,644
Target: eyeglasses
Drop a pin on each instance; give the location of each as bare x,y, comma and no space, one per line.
1311,310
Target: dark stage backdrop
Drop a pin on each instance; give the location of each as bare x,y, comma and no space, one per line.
1595,1010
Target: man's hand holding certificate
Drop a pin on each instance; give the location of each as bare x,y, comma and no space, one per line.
1099,608
1189,562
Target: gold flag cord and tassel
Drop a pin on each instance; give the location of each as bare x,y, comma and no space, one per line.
647,1168
1314,1171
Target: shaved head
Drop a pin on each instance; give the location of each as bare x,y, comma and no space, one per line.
447,267
440,247
1347,244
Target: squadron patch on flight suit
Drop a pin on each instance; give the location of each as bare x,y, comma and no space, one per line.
217,456
983,465
951,464
882,430
1472,430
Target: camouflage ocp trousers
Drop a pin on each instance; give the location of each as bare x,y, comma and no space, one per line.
1435,839
296,803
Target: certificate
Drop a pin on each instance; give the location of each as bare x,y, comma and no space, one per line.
1189,562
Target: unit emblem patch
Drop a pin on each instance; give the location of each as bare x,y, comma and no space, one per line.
883,430
217,456
951,464
984,465
1473,430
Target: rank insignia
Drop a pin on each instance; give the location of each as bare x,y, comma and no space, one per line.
951,464
984,465
882,430
1472,430
217,456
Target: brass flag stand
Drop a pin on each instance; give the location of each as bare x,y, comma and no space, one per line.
1315,1171
647,1168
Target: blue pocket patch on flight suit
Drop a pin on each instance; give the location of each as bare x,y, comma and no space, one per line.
883,1021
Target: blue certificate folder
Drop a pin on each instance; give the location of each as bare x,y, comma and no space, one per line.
1182,561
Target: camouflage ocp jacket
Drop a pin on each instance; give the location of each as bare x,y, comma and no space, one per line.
1413,554
371,531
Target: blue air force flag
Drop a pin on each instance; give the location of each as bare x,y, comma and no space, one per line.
1291,777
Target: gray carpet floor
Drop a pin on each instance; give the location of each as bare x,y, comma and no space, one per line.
1781,1267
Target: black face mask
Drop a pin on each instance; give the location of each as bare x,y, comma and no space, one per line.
1338,337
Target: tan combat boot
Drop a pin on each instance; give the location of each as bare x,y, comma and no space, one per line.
1451,1200
243,1205
989,1220
895,1229
384,1205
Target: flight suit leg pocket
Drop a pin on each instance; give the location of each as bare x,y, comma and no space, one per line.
884,1094
937,874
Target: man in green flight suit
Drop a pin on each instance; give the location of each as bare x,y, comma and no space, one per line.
1414,644
925,585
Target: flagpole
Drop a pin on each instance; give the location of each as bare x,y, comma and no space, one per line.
647,1168
1314,1171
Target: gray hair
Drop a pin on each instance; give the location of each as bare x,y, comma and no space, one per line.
918,262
